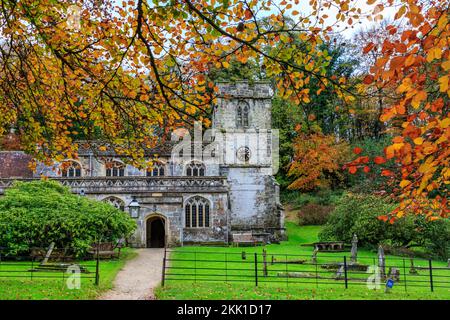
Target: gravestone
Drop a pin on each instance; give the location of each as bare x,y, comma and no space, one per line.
314,256
340,273
49,253
448,263
412,269
354,251
394,274
381,262
264,254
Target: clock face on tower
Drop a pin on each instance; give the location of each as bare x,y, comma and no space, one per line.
244,154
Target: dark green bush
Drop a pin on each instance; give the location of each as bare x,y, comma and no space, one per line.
34,214
298,199
357,213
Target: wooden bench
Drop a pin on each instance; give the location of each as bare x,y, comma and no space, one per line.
105,249
335,246
244,239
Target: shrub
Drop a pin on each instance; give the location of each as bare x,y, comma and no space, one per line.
357,213
314,214
34,214
299,199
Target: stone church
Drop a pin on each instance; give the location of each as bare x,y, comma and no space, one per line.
212,191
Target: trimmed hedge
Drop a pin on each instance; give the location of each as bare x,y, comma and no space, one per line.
34,214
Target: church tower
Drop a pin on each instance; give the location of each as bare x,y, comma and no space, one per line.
242,121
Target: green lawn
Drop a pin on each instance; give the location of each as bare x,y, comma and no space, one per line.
237,282
14,288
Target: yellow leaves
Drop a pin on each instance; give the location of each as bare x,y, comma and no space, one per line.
132,94
445,123
400,12
418,98
406,85
81,114
443,84
434,53
405,183
418,141
390,150
443,21
446,65
426,166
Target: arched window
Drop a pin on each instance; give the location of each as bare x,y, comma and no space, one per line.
116,202
196,213
195,169
70,169
242,115
158,169
114,168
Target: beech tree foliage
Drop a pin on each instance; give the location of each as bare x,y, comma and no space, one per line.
128,72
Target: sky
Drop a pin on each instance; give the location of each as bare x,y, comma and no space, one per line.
388,13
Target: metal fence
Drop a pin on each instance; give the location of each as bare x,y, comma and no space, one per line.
332,270
27,266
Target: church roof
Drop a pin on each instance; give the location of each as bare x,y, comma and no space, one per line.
14,164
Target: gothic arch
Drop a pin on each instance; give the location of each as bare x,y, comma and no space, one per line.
116,202
242,114
156,230
197,212
114,168
70,168
195,169
157,169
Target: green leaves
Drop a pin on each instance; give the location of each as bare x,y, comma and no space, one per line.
34,214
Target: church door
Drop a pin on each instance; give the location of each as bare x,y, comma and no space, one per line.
156,233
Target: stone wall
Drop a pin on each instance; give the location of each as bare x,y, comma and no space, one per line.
14,164
258,97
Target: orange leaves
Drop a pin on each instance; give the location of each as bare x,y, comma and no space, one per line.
248,14
410,60
387,173
368,79
368,47
418,98
352,169
314,155
391,150
379,160
388,113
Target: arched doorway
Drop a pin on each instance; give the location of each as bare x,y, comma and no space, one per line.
156,232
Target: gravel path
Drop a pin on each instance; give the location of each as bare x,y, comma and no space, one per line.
138,277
